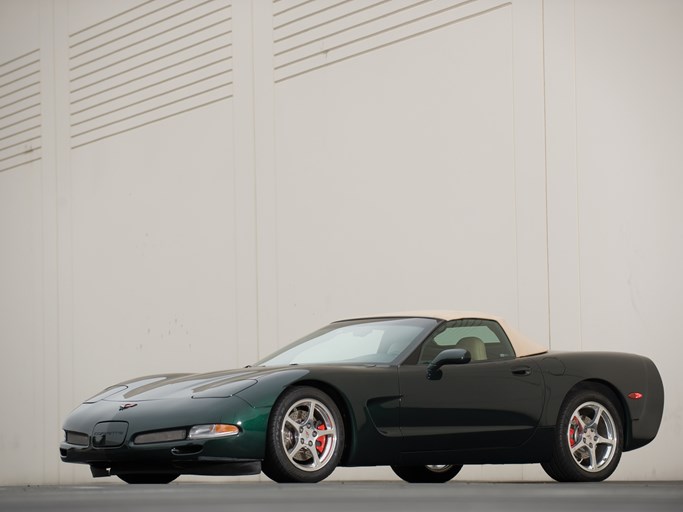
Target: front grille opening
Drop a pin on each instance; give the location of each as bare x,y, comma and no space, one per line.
77,438
164,436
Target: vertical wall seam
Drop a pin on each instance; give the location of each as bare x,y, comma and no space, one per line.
514,162
576,173
545,174
55,167
255,204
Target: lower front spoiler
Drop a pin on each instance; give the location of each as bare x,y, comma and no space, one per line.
183,458
203,466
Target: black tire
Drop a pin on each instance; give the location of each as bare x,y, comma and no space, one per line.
148,478
437,474
305,437
588,439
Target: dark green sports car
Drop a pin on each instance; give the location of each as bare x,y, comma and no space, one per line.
422,392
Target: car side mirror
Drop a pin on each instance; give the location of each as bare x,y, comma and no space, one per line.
449,356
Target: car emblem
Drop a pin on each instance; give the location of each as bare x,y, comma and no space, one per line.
126,406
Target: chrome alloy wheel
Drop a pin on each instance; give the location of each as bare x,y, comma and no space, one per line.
592,436
309,435
439,468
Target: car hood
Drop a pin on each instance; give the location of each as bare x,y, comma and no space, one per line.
184,385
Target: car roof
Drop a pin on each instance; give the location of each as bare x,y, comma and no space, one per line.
522,345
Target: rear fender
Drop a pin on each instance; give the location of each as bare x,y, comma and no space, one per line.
620,373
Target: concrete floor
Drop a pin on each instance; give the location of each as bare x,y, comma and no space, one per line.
338,497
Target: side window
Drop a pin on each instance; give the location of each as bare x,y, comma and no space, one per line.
485,340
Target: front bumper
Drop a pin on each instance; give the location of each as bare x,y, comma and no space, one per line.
103,436
184,457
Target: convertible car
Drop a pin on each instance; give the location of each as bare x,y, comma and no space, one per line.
422,392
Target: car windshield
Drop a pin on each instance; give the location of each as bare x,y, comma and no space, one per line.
357,341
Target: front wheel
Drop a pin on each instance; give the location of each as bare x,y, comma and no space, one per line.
588,443
305,437
148,478
431,474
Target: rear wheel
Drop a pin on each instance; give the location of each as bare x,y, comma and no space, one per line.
431,474
588,438
148,478
305,437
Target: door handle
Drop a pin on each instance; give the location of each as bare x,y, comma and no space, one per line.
522,371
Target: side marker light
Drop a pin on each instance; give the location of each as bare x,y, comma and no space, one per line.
635,395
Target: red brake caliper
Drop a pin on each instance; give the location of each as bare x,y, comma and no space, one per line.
321,441
573,431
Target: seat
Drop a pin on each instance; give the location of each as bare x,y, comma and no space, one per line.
474,346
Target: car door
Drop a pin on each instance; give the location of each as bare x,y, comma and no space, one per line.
493,401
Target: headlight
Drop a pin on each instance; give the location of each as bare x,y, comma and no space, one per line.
213,431
104,394
222,389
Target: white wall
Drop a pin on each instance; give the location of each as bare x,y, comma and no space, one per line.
206,182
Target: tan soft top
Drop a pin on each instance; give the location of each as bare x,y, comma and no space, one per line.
522,345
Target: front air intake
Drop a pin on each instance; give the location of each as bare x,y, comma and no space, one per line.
77,438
